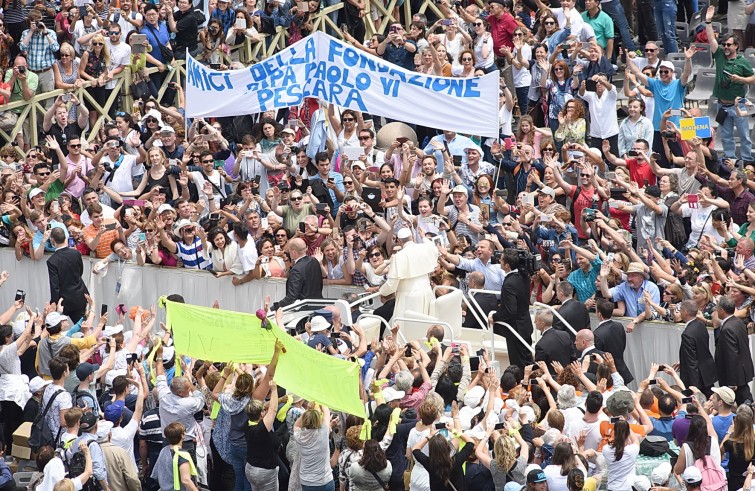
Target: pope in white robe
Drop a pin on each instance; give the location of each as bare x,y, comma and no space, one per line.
409,275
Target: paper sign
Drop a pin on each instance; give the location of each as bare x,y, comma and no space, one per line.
223,336
695,127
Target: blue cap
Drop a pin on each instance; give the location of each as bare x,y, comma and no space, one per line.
114,411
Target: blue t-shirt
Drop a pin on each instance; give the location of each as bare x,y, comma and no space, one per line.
662,427
666,96
39,234
321,339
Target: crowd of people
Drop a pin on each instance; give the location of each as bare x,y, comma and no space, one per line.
592,205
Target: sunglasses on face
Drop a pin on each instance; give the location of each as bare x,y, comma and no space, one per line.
348,120
43,174
516,34
650,50
478,24
31,156
151,120
296,198
78,145
547,150
98,44
281,236
664,72
348,182
584,175
558,69
375,254
208,161
364,138
549,23
114,33
62,55
150,230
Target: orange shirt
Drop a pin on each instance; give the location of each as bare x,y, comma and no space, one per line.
606,432
108,236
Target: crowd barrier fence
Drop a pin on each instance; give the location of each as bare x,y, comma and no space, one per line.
651,342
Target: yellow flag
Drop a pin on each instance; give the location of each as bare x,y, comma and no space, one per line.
221,336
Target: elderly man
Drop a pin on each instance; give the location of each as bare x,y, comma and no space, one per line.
629,294
482,263
575,313
463,216
409,275
554,345
178,403
305,276
585,344
743,258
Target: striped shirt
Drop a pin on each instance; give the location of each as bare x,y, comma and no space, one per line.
150,430
193,255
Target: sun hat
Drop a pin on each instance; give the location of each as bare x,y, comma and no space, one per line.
637,267
318,324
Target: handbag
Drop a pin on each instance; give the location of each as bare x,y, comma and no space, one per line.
140,89
380,481
165,53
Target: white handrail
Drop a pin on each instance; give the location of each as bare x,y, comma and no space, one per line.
516,335
433,322
382,321
555,312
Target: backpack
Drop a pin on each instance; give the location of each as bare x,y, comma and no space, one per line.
41,433
76,465
714,478
79,399
654,446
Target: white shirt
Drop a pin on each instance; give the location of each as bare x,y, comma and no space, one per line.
576,19
124,438
621,473
120,54
79,31
107,212
603,122
126,26
522,76
121,181
700,221
248,256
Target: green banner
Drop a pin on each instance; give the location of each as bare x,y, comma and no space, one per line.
219,335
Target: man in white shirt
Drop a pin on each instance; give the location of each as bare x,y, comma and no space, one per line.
118,164
602,104
126,19
120,57
123,436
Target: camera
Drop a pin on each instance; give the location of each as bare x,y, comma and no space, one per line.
589,215
22,69
528,262
41,26
669,135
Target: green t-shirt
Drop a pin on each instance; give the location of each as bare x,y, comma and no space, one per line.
291,219
602,24
32,80
725,89
53,190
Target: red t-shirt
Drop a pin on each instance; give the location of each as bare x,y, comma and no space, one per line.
7,87
584,200
502,31
639,173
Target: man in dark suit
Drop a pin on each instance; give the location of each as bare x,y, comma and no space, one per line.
733,360
611,337
514,310
585,344
554,345
305,276
574,312
487,301
64,269
696,365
